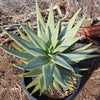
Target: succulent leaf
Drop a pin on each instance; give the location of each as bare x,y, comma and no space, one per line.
34,38
56,33
50,23
23,55
20,66
33,73
37,61
44,36
74,30
28,46
42,85
62,33
58,77
39,19
34,82
71,22
47,72
35,89
22,35
30,27
49,34
51,84
57,86
80,69
25,61
18,48
69,86
77,57
67,79
20,40
83,48
61,62
66,44
85,51
68,73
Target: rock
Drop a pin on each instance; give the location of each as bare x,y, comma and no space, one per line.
87,22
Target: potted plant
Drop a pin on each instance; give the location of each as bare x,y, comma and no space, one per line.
48,56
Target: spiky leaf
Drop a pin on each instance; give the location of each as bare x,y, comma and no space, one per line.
34,82
62,33
60,61
30,27
58,77
42,86
55,34
48,71
33,73
57,86
18,48
74,30
83,48
66,44
77,57
37,61
51,84
35,89
28,46
71,22
23,55
39,19
22,35
44,36
20,66
34,38
50,23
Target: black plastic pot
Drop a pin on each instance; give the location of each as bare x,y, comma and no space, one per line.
71,97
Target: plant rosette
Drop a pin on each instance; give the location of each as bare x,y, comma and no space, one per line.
48,55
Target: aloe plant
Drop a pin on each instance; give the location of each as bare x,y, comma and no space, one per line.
48,54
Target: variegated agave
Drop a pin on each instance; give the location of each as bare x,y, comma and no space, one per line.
48,55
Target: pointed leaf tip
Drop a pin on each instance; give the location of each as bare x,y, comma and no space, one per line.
15,75
49,68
